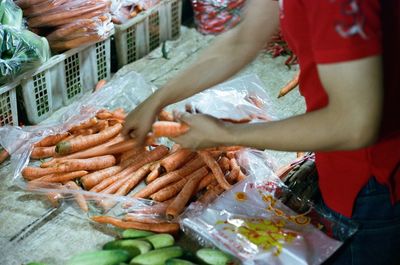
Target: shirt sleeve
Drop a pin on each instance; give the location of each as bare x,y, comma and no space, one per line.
344,30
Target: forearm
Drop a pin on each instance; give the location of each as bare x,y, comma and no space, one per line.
227,55
351,119
314,131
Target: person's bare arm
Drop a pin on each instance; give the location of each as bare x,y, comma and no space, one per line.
350,121
227,55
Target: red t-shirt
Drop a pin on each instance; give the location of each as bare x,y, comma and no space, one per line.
330,31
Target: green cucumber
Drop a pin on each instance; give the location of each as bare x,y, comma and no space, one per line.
178,262
161,240
36,263
157,256
213,256
141,245
129,247
102,257
134,233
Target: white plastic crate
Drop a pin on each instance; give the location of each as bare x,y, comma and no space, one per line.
145,32
64,78
8,104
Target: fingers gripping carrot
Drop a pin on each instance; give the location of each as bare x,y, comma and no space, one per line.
169,129
165,116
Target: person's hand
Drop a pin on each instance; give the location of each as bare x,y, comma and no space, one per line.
139,121
205,131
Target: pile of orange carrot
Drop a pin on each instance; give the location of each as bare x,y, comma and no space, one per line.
68,24
95,157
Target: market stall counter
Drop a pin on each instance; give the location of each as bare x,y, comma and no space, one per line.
31,229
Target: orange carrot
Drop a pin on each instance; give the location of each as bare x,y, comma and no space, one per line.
172,190
289,86
71,165
137,218
84,142
43,152
241,176
67,29
94,178
63,177
177,159
169,129
27,3
224,163
57,18
207,180
211,194
134,180
131,153
42,8
3,155
165,116
178,204
54,198
104,148
84,125
100,84
123,188
104,115
171,177
119,114
79,198
204,182
134,165
158,228
155,173
215,168
51,140
70,44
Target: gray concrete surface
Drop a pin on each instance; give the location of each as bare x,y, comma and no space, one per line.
30,230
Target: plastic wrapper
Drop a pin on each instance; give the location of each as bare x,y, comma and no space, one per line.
239,100
124,90
10,14
69,24
20,50
81,32
123,10
251,222
216,16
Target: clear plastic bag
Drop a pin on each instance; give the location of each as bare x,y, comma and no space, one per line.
81,32
251,222
10,14
127,91
239,100
20,51
122,10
